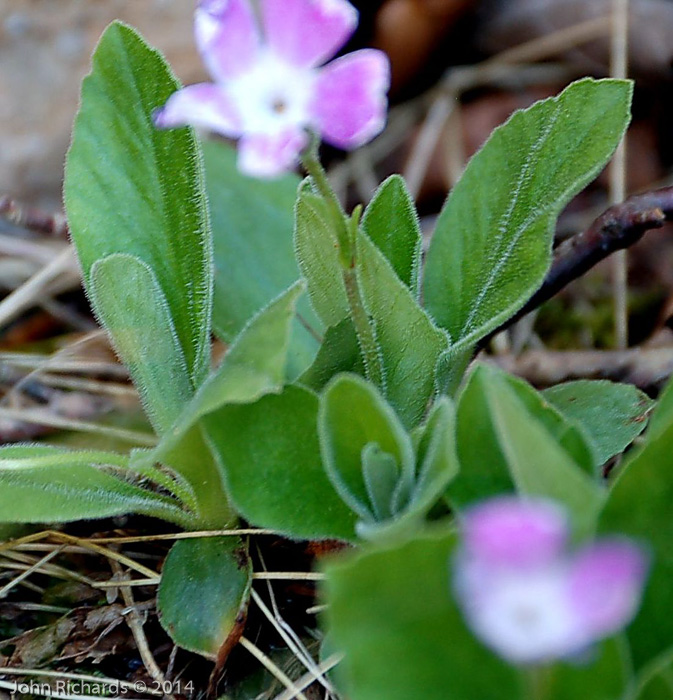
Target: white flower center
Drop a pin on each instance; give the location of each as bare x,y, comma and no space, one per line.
527,617
273,95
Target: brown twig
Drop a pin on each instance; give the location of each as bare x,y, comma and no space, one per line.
618,228
33,219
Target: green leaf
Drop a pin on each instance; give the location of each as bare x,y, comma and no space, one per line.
381,475
410,344
187,451
353,416
131,306
253,366
141,462
538,464
253,223
611,415
484,471
640,504
204,593
436,457
256,363
39,483
131,188
338,353
451,367
270,455
393,614
492,245
513,445
318,255
568,434
392,223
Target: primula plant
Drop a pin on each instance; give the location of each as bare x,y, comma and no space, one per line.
489,556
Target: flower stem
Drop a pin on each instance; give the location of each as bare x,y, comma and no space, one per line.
538,680
346,230
317,173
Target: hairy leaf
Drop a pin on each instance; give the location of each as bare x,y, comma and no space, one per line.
611,415
204,593
270,455
253,366
353,416
605,675
131,306
538,464
640,504
436,456
392,223
566,432
492,245
339,352
256,363
39,483
131,188
392,612
484,472
662,415
504,446
318,255
410,344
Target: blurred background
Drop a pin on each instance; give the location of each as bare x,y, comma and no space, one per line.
460,67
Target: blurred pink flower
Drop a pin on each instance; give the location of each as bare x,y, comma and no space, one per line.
268,92
530,599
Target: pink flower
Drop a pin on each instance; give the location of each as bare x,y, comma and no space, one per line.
530,599
268,93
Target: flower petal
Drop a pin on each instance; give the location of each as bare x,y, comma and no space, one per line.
606,584
513,532
227,37
204,105
307,32
270,155
349,106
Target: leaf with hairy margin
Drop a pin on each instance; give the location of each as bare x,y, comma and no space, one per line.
204,593
132,188
492,245
129,303
391,222
39,483
270,456
410,344
317,252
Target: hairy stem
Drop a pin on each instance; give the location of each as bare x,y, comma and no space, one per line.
311,163
346,232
